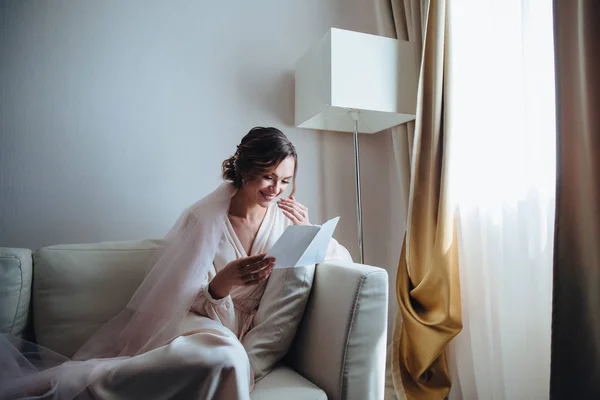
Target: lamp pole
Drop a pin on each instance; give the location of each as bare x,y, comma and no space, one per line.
354,116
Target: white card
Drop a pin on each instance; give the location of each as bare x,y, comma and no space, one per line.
302,245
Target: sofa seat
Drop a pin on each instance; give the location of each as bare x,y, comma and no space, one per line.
283,383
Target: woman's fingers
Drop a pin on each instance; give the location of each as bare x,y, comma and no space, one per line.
295,205
257,277
292,200
291,216
250,270
258,266
244,262
297,212
253,259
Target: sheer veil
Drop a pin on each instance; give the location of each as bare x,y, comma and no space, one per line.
152,317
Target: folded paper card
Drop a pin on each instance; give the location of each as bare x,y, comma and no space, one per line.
302,245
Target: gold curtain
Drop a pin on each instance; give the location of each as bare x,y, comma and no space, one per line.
428,287
575,366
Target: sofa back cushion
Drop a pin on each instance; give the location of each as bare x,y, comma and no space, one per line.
77,288
15,290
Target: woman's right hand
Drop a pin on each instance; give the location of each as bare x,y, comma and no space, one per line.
244,271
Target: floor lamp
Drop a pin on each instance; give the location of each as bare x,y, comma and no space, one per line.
356,82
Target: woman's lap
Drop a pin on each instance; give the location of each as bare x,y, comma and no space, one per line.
205,361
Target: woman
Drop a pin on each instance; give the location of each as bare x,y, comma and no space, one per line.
181,334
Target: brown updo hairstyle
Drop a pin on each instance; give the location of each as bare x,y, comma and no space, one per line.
260,151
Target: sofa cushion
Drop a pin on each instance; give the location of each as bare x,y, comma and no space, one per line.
77,288
15,290
278,317
284,383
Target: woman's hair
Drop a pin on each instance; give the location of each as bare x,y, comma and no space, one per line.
261,150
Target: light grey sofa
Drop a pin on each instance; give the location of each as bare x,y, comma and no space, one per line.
59,295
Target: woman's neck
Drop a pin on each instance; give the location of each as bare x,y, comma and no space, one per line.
242,208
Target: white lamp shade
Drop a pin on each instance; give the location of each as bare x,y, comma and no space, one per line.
346,70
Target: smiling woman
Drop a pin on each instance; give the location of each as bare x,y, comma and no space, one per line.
261,169
210,317
261,151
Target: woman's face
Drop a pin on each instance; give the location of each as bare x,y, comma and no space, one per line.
268,187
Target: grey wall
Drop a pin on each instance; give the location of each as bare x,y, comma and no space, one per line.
115,115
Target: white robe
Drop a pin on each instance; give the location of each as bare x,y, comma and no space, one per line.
206,360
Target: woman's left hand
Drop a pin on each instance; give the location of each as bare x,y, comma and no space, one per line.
295,211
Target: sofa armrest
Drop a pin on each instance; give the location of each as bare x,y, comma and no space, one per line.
15,291
340,344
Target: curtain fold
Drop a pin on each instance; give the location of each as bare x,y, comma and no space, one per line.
428,292
575,366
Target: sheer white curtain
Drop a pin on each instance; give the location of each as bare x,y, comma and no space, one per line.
501,127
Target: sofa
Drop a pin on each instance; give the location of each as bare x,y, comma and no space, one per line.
58,296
